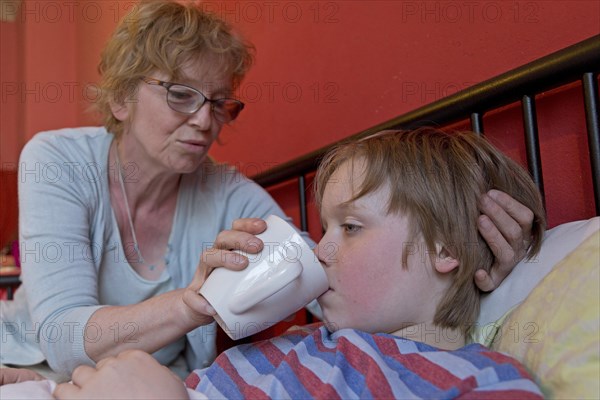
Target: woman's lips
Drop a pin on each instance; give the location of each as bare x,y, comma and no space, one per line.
193,146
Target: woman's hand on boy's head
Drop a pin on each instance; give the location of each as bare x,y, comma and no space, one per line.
505,224
133,374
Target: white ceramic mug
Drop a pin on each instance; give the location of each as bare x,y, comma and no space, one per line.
284,277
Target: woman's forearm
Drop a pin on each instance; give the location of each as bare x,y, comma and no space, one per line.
148,326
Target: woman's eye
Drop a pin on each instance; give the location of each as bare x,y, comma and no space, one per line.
351,228
179,95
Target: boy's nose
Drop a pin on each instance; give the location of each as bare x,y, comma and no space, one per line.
326,251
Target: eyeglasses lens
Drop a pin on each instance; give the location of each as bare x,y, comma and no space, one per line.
187,100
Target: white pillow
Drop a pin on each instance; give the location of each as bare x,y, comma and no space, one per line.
558,242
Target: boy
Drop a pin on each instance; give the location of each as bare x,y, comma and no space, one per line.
400,249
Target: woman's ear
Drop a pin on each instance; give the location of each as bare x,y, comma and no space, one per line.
119,111
444,262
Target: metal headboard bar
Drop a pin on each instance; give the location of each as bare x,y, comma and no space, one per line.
546,73
532,142
10,282
302,194
477,123
590,95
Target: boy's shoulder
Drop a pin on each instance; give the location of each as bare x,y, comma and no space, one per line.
301,363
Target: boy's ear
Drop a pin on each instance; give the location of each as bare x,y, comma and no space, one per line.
444,262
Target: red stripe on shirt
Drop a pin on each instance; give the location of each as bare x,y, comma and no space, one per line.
309,380
271,353
500,358
387,346
375,379
429,371
192,381
248,391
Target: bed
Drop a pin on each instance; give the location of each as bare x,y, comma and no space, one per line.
547,313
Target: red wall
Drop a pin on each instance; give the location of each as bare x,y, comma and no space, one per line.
358,63
324,70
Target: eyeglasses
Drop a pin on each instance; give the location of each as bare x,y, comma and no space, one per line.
187,100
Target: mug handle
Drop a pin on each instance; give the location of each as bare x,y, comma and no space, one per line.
277,279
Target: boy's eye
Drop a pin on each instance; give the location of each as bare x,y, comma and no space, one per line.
351,228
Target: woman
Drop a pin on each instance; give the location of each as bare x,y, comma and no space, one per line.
116,244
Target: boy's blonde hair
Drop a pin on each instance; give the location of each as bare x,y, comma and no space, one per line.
164,36
436,179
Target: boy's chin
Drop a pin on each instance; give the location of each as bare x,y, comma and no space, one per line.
331,323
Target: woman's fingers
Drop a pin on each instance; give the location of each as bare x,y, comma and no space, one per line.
17,375
226,248
84,373
223,254
500,246
238,240
241,236
518,213
67,391
512,219
484,281
198,303
81,375
506,227
216,258
250,225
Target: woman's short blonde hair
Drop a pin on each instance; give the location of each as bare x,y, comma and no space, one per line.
164,36
436,179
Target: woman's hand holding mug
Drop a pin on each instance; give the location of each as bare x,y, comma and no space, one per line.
223,254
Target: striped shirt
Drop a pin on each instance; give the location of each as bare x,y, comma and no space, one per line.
311,362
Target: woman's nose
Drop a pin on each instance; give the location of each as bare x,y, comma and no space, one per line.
203,118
